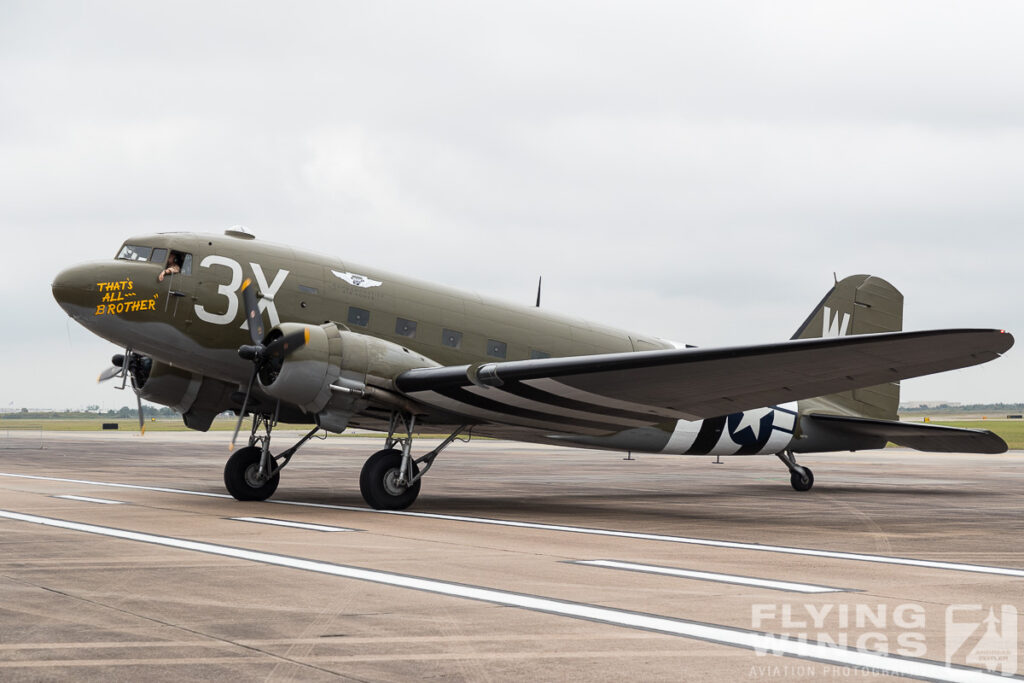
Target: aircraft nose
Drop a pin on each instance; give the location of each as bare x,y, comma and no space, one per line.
74,288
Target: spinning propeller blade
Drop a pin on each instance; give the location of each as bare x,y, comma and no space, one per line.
109,373
286,344
132,366
252,311
142,419
245,404
260,352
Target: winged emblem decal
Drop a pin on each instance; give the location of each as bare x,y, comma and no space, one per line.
357,280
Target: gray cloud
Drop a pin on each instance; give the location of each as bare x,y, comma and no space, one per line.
694,171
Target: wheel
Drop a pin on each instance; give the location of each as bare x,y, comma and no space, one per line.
241,476
378,481
802,483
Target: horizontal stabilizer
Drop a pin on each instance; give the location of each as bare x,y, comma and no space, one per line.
916,435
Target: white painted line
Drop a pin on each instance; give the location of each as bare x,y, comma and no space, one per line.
86,499
744,638
116,485
787,550
293,525
712,576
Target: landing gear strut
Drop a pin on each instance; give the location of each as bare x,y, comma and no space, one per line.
801,478
391,478
252,473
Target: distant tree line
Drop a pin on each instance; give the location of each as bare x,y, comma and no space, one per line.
965,408
124,412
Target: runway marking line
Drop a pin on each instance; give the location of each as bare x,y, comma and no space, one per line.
86,499
736,637
292,525
774,584
736,545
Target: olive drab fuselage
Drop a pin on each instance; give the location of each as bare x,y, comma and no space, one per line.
192,324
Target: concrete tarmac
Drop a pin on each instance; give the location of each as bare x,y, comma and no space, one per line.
122,558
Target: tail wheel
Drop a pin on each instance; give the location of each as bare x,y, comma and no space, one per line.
378,481
242,476
802,482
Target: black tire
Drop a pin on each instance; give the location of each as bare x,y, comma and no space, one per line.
800,483
377,482
240,476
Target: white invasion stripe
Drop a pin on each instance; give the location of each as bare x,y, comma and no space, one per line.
788,550
683,436
293,525
453,405
86,499
516,401
712,576
755,640
564,390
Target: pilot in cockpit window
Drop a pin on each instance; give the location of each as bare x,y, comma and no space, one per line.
173,265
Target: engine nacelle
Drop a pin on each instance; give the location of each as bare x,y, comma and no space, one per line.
304,377
333,356
199,399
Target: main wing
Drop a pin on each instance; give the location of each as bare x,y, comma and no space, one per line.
601,394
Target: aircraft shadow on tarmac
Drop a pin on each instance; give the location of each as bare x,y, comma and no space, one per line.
647,507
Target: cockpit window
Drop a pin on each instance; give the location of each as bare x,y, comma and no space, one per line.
133,253
176,262
160,255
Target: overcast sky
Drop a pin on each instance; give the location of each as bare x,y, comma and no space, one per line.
692,170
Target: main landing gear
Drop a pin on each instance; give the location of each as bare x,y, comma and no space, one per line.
252,473
390,479
801,478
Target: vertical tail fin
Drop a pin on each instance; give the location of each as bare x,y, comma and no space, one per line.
859,304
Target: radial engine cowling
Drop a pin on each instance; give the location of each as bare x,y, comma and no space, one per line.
304,377
199,399
333,356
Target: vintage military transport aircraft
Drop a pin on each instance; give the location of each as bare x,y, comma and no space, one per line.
212,323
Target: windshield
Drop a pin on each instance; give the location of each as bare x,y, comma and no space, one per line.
160,255
133,253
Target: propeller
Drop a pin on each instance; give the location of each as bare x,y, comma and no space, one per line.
267,352
142,419
136,367
252,312
109,373
115,370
